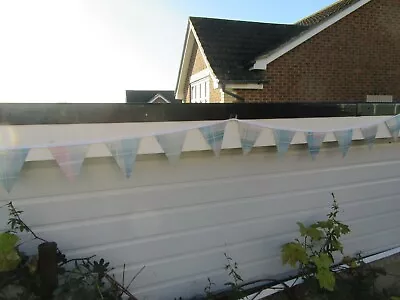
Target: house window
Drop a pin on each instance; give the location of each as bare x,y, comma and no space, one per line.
200,91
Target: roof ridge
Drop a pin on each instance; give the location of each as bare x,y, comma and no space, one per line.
320,11
325,12
242,21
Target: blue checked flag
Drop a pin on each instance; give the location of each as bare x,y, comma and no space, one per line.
11,163
283,139
124,153
214,136
344,138
248,136
314,141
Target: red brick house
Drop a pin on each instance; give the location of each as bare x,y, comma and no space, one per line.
349,51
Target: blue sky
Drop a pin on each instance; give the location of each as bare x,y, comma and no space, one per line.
92,50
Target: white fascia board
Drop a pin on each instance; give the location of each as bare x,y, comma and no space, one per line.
245,86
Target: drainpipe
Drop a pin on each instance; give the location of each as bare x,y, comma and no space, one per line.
241,99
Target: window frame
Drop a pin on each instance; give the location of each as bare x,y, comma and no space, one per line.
200,91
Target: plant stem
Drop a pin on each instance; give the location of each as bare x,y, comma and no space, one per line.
16,215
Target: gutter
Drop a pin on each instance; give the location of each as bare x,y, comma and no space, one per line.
223,88
296,281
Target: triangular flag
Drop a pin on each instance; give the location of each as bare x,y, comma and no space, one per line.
11,163
70,159
283,139
124,153
314,141
214,135
344,138
394,126
172,144
369,135
248,136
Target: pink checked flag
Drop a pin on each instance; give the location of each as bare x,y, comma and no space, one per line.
69,159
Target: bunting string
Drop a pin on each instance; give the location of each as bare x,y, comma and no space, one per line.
70,156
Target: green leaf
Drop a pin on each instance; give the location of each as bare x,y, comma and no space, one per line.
314,233
326,278
302,228
337,246
9,258
293,253
8,241
344,228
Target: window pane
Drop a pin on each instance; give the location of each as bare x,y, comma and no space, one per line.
200,89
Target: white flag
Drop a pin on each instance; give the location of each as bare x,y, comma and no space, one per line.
172,144
124,153
394,126
369,135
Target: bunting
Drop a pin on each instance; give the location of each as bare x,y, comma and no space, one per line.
283,139
11,163
124,153
248,136
394,126
369,135
344,138
314,141
69,159
172,145
214,136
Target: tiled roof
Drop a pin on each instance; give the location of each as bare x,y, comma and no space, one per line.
230,46
326,12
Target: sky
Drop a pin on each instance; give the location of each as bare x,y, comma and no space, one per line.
93,50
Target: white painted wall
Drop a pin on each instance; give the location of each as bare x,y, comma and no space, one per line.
179,220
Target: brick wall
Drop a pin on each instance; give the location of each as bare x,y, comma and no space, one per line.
229,99
196,65
215,94
357,56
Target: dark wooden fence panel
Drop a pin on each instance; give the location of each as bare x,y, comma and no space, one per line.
28,114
